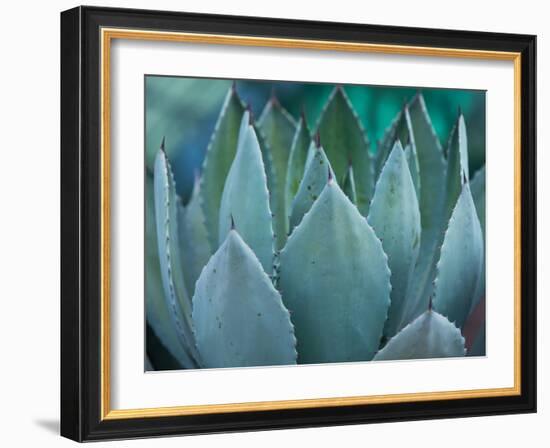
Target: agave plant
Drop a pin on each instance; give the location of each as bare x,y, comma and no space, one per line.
309,247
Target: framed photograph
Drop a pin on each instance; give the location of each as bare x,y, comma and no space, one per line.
274,224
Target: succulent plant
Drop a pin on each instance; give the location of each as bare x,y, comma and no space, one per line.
309,247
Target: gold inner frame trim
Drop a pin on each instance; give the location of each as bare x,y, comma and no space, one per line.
107,35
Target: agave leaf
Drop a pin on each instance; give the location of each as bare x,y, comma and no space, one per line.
245,199
459,267
279,128
175,292
430,335
395,217
240,319
432,168
412,160
348,185
477,185
344,139
334,279
193,238
457,163
296,162
268,163
219,156
397,130
267,159
313,182
155,304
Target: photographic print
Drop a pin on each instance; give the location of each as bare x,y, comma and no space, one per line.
305,223
251,201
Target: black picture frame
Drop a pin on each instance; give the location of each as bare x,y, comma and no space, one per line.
81,414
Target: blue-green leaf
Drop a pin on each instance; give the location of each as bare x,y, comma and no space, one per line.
156,308
457,163
395,218
344,139
219,156
245,199
348,185
240,319
166,218
296,162
432,168
477,185
193,238
412,160
397,130
430,335
459,267
279,127
334,279
314,181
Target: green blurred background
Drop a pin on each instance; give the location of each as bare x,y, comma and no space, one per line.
185,110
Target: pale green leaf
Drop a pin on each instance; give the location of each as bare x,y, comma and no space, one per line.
193,238
240,319
245,199
459,267
430,335
156,308
412,160
477,185
395,217
175,292
296,162
457,163
334,279
432,168
219,156
314,181
348,185
279,128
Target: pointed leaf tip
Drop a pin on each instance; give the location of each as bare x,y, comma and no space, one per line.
343,135
217,161
273,98
395,214
460,262
240,319
335,280
247,179
311,185
317,140
162,143
430,335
